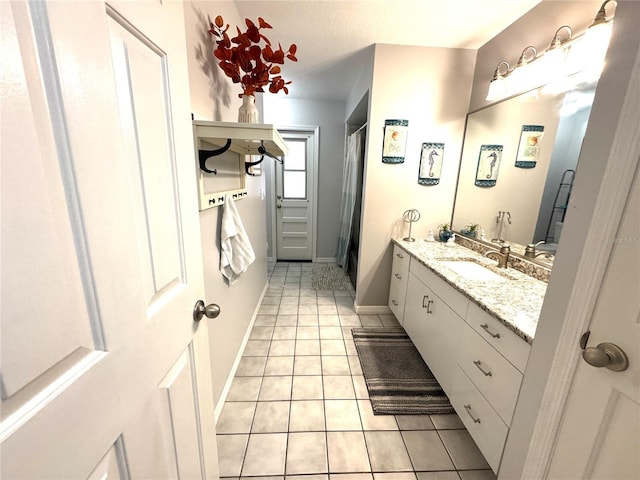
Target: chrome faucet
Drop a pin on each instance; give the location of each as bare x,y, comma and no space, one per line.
502,257
530,250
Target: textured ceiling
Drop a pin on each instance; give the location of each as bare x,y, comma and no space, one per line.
329,34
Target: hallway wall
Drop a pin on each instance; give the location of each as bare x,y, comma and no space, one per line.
214,97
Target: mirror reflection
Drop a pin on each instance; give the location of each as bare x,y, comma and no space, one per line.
530,144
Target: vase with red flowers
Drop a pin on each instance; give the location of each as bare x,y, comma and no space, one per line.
250,60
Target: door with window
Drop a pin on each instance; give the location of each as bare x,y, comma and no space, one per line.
294,197
105,372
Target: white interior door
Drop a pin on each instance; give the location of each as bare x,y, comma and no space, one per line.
294,198
104,372
599,435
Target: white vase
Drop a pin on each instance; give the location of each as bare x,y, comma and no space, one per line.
248,113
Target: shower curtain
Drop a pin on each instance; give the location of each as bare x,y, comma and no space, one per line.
349,185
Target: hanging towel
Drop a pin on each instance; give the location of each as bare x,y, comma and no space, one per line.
237,253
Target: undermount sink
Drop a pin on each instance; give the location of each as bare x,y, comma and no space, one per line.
473,271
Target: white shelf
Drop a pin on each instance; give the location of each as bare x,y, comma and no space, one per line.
245,139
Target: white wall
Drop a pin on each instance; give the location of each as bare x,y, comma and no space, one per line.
214,97
431,88
283,111
605,115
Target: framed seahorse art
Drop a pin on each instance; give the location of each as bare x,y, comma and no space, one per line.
430,163
488,165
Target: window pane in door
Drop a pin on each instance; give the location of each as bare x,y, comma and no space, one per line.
295,184
296,159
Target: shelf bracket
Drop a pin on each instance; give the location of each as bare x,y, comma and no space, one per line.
204,155
262,151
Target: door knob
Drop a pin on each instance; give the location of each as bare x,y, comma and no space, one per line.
279,206
279,197
210,311
606,355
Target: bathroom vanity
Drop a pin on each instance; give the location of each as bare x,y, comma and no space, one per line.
473,324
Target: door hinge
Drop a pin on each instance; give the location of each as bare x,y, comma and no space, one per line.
584,339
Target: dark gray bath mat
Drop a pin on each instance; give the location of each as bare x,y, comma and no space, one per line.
398,380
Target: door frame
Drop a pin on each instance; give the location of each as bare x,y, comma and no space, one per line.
613,192
314,131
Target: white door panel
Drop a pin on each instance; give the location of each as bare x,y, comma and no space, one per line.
104,371
41,245
600,430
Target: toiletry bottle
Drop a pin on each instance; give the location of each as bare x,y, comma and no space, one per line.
430,237
452,241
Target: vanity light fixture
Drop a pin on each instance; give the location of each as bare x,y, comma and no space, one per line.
588,54
498,84
554,55
563,57
526,73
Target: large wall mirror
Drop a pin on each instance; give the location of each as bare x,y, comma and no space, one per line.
518,164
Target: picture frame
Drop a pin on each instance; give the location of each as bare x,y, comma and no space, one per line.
431,157
395,141
529,146
488,165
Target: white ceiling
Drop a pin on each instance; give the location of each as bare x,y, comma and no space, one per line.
330,33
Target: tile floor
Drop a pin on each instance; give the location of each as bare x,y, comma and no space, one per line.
298,405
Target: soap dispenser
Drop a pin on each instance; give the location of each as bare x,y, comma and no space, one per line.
430,237
452,241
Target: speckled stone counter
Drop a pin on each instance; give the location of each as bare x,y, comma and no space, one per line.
516,302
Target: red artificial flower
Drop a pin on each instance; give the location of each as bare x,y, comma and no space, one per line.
245,61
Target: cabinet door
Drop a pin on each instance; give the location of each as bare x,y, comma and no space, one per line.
435,329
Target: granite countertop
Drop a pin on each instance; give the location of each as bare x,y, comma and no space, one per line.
516,302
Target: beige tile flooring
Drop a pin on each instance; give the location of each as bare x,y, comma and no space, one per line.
298,405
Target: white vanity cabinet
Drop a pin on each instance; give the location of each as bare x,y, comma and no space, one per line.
398,285
478,360
433,320
491,362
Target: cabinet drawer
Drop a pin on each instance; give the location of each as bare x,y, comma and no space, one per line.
457,301
505,341
400,259
497,380
398,282
397,297
483,423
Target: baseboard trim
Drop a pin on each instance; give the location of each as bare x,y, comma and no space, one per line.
326,260
236,362
371,309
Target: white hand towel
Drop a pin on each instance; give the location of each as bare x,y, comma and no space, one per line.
237,253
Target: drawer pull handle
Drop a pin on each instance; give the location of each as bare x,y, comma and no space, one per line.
399,255
485,327
397,276
425,301
429,303
394,302
487,373
468,409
